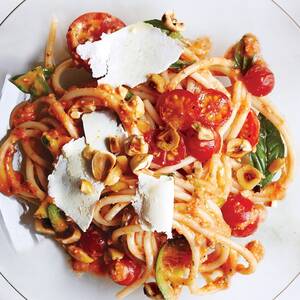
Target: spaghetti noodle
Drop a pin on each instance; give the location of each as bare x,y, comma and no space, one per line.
205,177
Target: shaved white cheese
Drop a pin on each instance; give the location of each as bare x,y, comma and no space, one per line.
100,125
154,203
127,56
64,185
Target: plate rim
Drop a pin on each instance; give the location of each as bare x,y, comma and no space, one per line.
283,11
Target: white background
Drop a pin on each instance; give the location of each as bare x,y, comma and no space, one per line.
292,7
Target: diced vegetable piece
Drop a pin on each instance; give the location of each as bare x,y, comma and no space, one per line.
57,219
33,82
173,266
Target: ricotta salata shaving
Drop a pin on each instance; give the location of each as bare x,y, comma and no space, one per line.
154,203
64,185
129,55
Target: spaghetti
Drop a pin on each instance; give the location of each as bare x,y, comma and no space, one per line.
205,168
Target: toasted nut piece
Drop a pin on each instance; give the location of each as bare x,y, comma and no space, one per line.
137,104
114,144
237,148
41,226
115,254
86,187
140,162
122,161
122,91
88,152
113,176
79,254
252,46
201,46
157,82
170,21
135,144
102,164
248,177
152,291
257,249
276,165
120,185
76,112
168,139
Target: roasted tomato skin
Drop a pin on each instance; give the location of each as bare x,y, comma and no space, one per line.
215,108
259,80
178,108
201,149
93,241
124,271
162,157
241,214
250,129
89,27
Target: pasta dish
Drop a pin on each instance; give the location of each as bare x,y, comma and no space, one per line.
146,167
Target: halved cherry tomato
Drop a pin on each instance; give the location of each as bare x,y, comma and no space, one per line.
178,108
215,108
250,129
201,149
259,80
89,27
93,241
124,271
241,214
163,157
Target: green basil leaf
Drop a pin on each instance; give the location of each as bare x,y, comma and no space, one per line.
159,24
241,60
269,148
128,96
180,64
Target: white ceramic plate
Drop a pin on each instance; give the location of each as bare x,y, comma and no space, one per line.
43,272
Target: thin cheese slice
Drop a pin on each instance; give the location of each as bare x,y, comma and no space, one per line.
129,55
154,203
64,185
100,125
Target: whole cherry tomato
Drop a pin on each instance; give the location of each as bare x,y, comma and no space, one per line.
89,27
259,80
